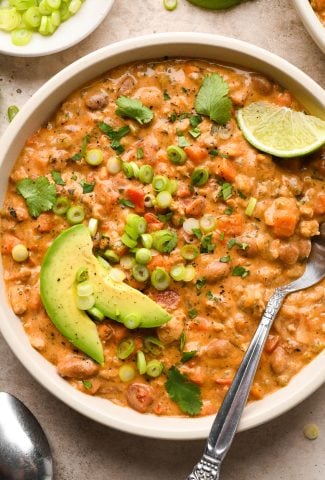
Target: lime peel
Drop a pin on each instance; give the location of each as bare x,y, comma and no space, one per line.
280,131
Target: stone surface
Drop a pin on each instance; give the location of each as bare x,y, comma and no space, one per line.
83,449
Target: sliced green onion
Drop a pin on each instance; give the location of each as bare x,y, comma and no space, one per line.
173,186
54,4
56,18
164,199
130,169
20,253
153,345
126,373
138,223
143,256
116,275
131,232
61,206
149,201
170,5
127,262
251,206
160,183
140,272
189,252
311,431
114,165
12,112
160,279
74,6
154,368
208,223
86,303
189,274
164,241
93,226
85,289
141,363
94,157
176,155
199,177
21,37
32,17
190,224
82,274
146,174
75,215
111,256
96,314
146,240
132,321
177,272
64,12
125,348
9,19
44,8
104,263
129,242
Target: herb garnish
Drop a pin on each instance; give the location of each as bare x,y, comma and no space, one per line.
182,391
140,153
240,271
57,178
87,384
226,191
212,99
115,135
212,297
225,259
188,356
80,155
200,282
126,203
206,244
192,313
197,232
87,187
166,95
39,194
133,108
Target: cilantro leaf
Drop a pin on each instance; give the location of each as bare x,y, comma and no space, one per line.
182,341
39,194
212,99
200,283
192,313
57,178
80,155
126,203
87,187
206,244
115,135
182,391
212,297
240,271
133,108
188,356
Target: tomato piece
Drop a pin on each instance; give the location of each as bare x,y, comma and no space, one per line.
136,197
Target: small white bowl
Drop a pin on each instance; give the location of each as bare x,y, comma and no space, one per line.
37,111
311,21
69,33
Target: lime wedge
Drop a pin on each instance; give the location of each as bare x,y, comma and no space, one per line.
215,4
280,131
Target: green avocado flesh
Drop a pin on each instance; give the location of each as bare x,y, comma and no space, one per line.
70,251
215,4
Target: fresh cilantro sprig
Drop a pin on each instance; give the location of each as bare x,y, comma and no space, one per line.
207,246
57,178
212,99
182,391
82,152
115,135
87,187
133,108
39,194
240,271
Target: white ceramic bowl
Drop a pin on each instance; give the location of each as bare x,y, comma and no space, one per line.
68,34
311,21
38,109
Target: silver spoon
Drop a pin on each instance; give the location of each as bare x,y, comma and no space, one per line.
226,422
24,450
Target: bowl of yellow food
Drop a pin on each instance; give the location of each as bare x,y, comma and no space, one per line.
142,233
312,14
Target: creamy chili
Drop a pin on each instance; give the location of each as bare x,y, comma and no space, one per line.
238,266
319,7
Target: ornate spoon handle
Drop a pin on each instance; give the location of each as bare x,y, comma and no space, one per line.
226,422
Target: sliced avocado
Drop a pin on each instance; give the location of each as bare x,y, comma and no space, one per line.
70,251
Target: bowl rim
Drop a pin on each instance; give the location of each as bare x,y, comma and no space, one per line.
311,22
311,377
83,23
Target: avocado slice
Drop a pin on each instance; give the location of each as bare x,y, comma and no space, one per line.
70,251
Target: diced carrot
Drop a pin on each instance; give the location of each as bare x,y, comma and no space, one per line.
196,153
136,197
231,224
284,223
225,169
188,69
319,207
256,392
8,242
224,381
271,343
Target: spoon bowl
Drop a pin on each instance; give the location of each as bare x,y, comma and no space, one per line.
24,450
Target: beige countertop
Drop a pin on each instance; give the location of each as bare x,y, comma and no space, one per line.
83,449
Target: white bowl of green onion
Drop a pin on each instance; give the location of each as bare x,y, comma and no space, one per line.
32,28
36,112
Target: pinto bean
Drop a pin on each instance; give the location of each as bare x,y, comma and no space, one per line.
289,253
96,99
251,250
279,361
218,348
172,330
150,96
168,299
75,366
139,396
126,84
214,271
195,207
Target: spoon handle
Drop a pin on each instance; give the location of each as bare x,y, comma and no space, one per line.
226,422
